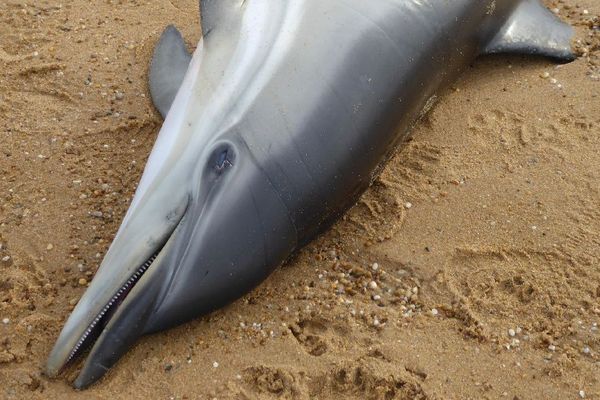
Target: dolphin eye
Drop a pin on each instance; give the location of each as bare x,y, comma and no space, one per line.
222,158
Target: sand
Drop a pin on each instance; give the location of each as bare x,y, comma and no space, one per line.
471,269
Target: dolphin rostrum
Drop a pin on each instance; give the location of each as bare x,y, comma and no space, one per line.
282,118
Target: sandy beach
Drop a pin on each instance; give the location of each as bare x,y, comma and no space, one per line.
470,270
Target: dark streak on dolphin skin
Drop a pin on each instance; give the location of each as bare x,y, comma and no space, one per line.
275,127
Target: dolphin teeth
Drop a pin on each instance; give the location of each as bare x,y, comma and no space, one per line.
115,300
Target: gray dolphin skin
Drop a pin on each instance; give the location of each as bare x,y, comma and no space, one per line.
281,119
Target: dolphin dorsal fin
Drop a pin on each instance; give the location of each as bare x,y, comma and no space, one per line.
219,13
169,65
533,29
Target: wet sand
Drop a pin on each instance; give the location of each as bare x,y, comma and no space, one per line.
471,269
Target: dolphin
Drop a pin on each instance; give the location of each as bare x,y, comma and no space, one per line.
284,115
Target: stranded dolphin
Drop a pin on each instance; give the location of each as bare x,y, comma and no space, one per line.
281,119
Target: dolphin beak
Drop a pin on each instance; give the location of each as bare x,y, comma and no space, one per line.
126,324
113,312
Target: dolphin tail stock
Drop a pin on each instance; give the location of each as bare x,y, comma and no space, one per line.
533,29
169,65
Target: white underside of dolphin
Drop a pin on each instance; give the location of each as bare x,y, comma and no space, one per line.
273,128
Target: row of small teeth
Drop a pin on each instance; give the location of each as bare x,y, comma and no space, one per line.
112,301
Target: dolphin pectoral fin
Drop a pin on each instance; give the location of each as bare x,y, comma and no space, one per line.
169,65
533,29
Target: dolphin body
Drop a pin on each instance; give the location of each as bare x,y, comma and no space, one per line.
279,122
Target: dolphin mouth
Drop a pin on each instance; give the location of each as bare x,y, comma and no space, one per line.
102,330
94,330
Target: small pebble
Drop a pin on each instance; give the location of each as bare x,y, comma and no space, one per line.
83,281
5,321
50,246
586,350
377,297
6,258
375,266
215,364
582,394
434,311
408,205
511,332
373,285
552,347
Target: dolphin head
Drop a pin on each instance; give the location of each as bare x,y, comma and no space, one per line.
206,224
203,232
